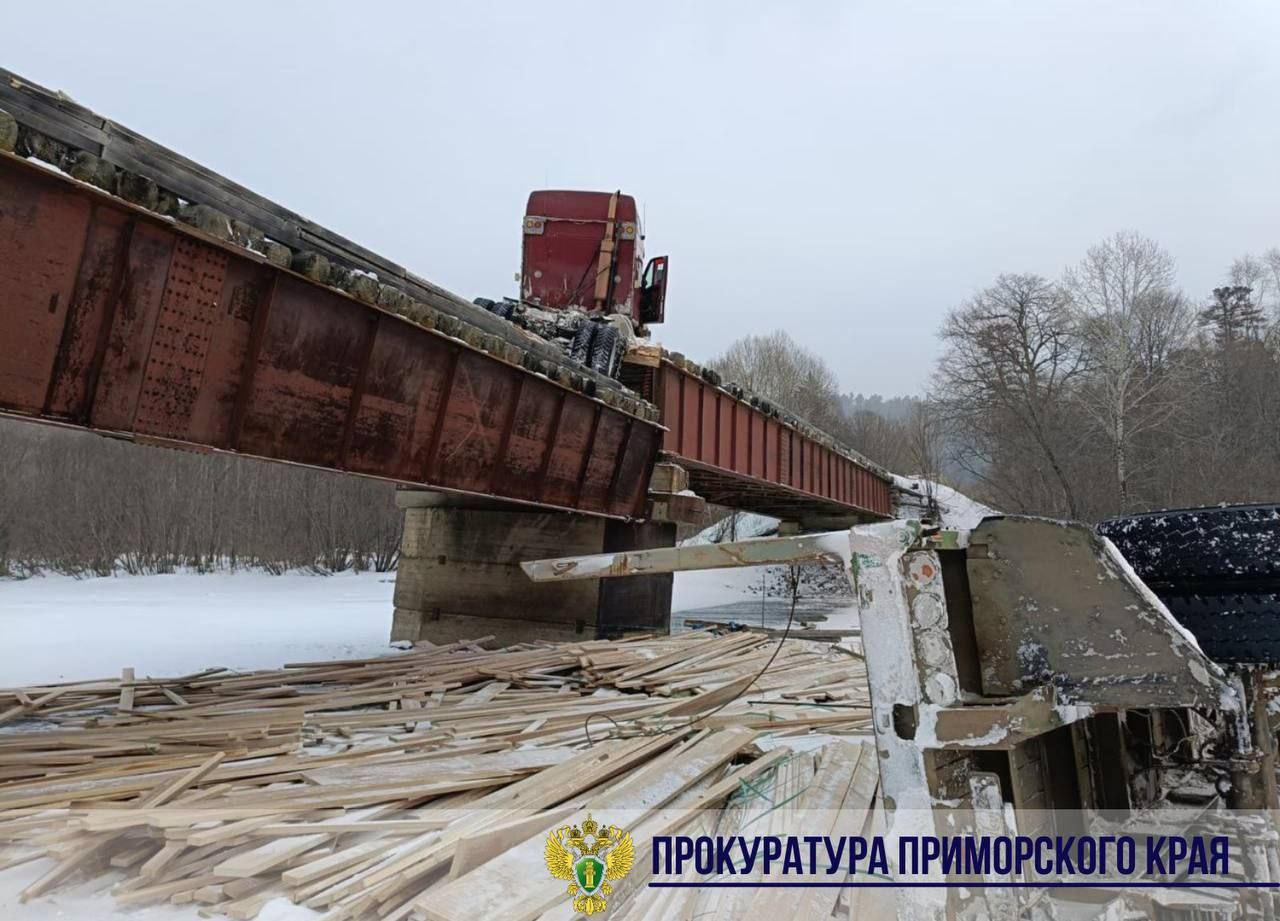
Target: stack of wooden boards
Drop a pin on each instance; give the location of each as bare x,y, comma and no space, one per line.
422,785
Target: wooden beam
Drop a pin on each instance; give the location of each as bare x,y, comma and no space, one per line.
811,549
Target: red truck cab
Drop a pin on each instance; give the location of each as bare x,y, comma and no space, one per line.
585,250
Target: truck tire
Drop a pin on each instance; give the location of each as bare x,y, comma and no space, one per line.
580,346
1239,544
1241,629
1218,572
606,350
502,309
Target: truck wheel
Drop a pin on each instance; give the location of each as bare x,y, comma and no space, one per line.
580,347
1237,544
1218,572
606,350
1239,629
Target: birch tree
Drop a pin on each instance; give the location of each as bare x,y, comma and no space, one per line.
778,368
1132,324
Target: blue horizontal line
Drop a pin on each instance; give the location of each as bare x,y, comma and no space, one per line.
973,885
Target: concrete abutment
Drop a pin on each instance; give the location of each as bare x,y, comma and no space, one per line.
459,574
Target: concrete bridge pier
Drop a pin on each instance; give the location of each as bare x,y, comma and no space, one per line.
459,574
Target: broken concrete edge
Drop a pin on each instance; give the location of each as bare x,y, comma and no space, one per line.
675,507
881,574
668,477
452,316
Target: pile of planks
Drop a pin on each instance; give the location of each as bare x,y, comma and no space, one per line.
419,785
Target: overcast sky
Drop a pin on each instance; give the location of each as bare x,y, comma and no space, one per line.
848,171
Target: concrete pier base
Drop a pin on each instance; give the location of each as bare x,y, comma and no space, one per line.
459,574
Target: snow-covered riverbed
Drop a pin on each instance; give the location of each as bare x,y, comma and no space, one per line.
58,628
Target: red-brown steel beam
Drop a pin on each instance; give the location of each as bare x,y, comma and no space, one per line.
737,455
117,320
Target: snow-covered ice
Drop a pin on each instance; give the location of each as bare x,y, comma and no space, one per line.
736,594
58,628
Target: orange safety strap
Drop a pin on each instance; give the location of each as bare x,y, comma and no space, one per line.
604,268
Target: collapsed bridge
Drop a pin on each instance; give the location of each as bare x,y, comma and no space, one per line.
144,297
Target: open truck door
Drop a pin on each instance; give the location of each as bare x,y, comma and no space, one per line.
653,291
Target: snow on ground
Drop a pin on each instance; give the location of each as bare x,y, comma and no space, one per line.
956,509
747,526
711,588
813,612
58,628
735,594
719,594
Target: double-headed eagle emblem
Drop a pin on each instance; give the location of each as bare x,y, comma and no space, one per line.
590,858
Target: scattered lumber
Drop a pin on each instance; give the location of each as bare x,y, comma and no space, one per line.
422,785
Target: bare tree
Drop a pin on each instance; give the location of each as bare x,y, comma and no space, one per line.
1101,396
780,369
1133,324
885,441
1261,274
1002,383
76,503
925,441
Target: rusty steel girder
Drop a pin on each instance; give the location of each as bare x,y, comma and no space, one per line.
737,455
117,320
